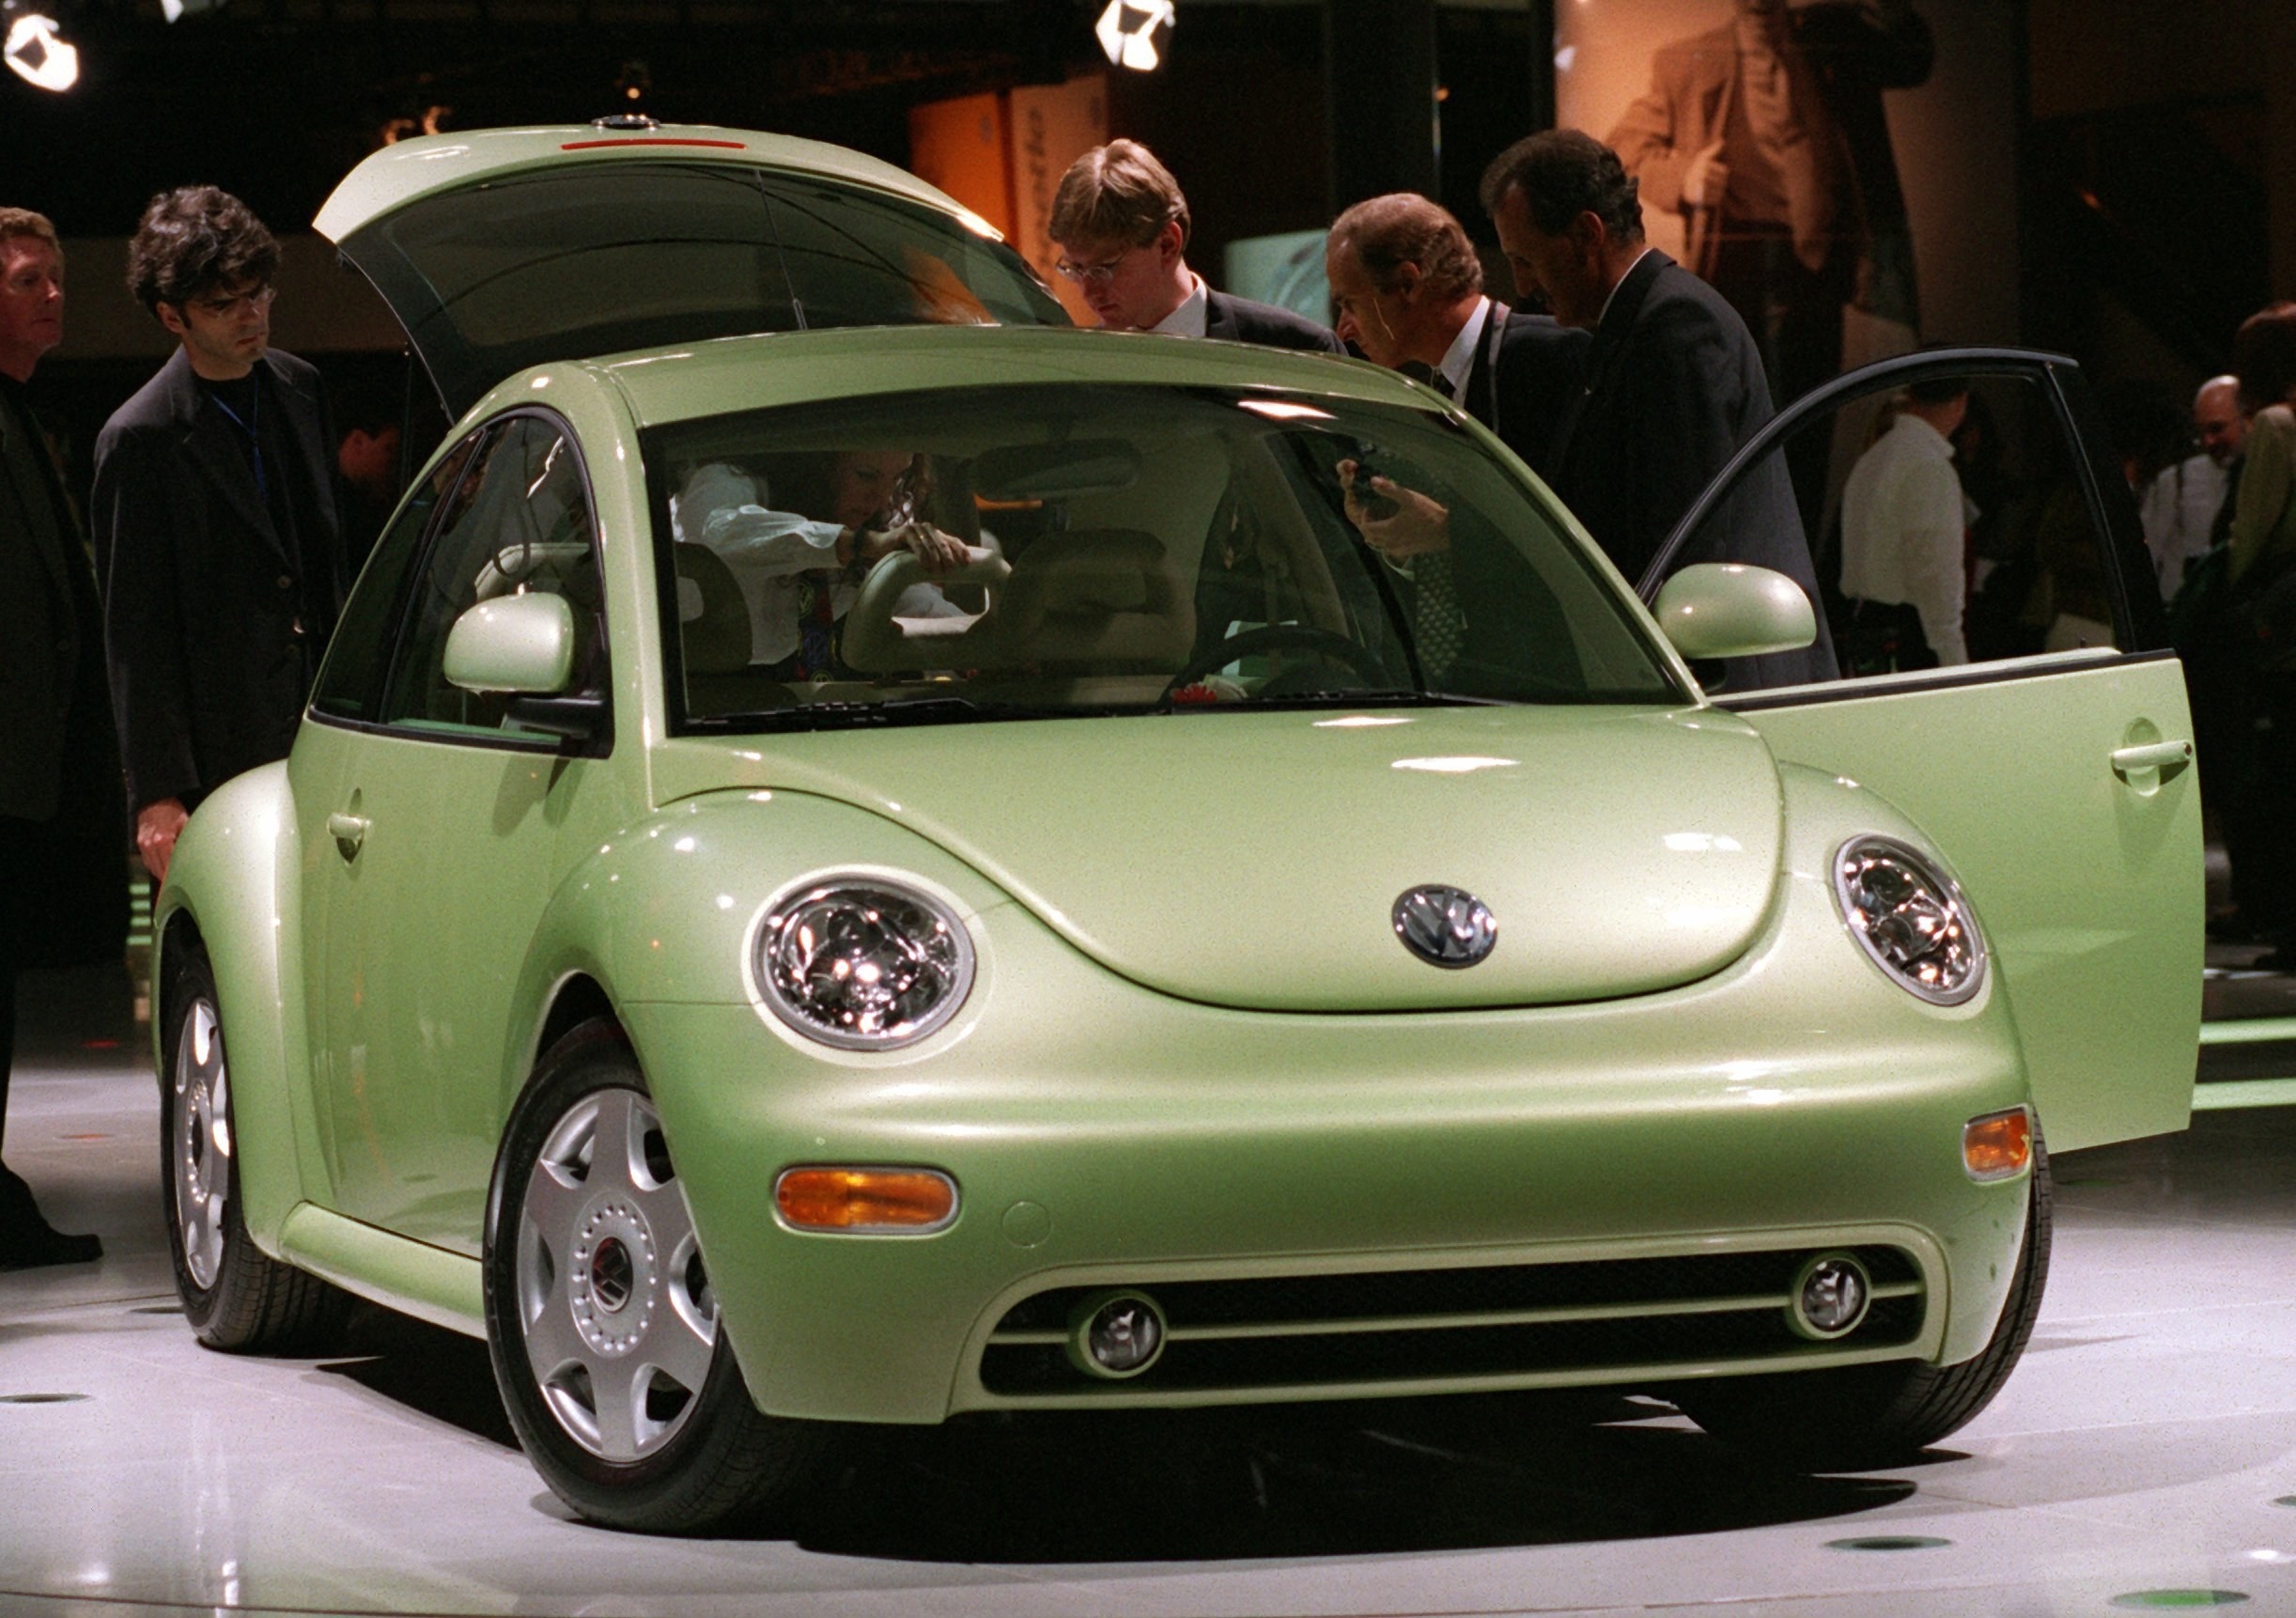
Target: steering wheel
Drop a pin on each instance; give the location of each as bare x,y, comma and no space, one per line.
1359,660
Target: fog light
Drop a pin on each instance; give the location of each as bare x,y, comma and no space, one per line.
1830,1297
909,1200
1115,1334
1998,1145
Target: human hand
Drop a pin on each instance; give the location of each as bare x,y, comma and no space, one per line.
1706,178
937,550
156,826
1405,523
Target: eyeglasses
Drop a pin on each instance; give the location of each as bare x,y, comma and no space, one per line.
222,308
1098,274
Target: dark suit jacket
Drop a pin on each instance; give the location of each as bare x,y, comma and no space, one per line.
1525,372
203,599
64,841
1241,320
1674,387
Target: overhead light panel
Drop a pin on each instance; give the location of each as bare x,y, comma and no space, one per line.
1136,33
38,54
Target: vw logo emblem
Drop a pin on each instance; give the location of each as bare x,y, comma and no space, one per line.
1445,926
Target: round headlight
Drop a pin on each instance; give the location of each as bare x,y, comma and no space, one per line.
862,964
1911,918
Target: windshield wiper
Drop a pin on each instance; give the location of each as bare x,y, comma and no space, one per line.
1341,697
862,715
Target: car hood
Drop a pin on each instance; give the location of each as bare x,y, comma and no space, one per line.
1255,860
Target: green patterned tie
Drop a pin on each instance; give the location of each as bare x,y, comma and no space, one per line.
1436,623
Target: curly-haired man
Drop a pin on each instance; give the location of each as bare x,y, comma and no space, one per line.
216,527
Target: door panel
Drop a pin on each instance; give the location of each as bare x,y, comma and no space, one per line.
2088,885
1999,626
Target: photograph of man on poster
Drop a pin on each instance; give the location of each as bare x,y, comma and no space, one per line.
1767,138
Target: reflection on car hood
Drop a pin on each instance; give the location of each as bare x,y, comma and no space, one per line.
1255,860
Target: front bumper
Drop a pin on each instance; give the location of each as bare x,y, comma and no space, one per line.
1105,1136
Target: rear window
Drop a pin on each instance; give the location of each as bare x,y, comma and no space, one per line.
632,255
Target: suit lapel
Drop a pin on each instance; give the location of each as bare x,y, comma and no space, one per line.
1603,354
212,444
1219,319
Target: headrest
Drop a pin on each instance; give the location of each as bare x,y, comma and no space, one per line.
713,618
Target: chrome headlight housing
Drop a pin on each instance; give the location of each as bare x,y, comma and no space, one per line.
862,963
1911,918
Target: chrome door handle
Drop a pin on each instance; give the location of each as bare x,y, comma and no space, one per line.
349,831
2147,766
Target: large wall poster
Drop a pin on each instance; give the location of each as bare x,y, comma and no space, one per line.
1845,171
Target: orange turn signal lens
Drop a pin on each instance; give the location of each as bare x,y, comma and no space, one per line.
1998,1145
865,1199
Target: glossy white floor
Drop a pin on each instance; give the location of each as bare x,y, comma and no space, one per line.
2145,1454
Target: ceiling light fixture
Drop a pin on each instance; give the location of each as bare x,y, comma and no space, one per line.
1136,33
39,55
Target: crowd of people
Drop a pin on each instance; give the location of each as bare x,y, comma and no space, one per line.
222,496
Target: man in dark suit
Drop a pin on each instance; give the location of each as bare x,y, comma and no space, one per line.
217,537
1673,383
1122,225
59,766
1408,286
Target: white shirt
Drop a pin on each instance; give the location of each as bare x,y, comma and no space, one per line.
1902,517
1621,282
1193,314
1459,358
2179,509
723,507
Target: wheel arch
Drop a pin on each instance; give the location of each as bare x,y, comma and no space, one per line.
233,891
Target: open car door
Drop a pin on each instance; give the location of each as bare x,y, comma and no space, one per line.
2022,707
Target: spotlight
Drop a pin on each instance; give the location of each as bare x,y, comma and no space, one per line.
37,55
1135,33
175,10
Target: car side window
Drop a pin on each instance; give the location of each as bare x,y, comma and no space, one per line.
1956,519
518,523
350,683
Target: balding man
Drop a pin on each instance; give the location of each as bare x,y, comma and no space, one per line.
2182,505
1408,288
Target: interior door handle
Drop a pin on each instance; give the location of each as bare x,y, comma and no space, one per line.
349,831
2147,766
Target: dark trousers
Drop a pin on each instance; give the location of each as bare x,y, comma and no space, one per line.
16,854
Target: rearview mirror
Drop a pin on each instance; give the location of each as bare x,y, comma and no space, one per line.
1732,610
520,645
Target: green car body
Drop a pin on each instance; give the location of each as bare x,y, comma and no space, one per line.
1193,1062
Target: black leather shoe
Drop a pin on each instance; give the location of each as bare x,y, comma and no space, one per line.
35,1247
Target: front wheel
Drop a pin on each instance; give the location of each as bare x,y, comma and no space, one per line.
601,1320
1866,1416
235,1296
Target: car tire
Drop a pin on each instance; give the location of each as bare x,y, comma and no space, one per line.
593,1268
1868,1416
235,1296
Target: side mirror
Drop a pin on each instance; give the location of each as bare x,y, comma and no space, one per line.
520,645
1732,610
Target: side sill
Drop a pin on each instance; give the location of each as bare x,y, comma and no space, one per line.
428,1283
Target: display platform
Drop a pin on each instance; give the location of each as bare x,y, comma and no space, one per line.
2143,1454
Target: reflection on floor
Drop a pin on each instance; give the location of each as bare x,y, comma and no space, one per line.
2146,1449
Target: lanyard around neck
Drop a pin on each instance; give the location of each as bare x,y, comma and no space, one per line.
248,425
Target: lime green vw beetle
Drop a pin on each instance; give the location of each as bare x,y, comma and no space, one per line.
859,856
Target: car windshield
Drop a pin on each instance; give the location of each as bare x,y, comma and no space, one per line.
1045,550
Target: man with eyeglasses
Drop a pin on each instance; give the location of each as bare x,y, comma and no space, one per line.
216,522
1122,225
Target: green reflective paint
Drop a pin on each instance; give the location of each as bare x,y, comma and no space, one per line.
2089,891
